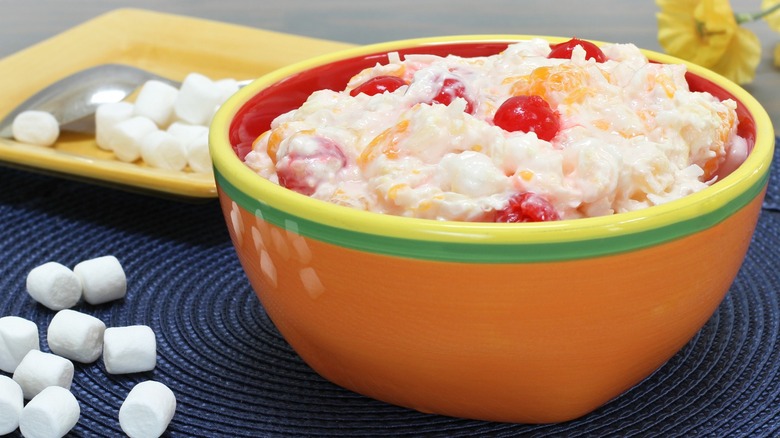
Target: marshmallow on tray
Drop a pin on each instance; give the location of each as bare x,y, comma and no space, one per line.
11,403
147,410
163,150
126,137
54,285
197,98
50,414
17,337
186,132
132,131
198,156
35,127
76,336
228,87
107,116
195,139
39,370
131,349
155,101
102,279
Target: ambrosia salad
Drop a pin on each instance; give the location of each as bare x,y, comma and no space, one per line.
534,133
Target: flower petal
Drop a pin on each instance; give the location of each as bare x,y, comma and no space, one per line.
741,58
772,19
777,55
677,7
697,30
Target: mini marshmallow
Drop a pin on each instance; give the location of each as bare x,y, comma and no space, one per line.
228,87
17,337
198,156
102,279
54,285
131,349
162,150
107,116
186,132
35,127
39,370
147,411
155,100
197,98
50,414
125,141
76,336
11,403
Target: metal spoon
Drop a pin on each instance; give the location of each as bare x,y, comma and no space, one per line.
73,100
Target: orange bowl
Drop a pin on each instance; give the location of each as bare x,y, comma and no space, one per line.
532,322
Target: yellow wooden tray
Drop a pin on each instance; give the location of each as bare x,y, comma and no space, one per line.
170,45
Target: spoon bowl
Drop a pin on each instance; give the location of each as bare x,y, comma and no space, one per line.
74,99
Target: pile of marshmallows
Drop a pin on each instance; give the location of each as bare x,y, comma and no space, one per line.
166,127
45,378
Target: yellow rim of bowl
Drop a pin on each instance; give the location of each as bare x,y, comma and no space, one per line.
752,174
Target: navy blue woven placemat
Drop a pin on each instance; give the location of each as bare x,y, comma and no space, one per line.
234,376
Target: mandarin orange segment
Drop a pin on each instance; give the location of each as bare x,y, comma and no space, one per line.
386,143
566,84
261,138
724,131
602,124
278,134
399,71
274,139
392,193
545,81
665,82
711,168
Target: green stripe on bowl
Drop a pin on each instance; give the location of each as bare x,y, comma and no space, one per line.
477,252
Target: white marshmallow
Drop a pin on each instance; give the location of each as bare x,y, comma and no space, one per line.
125,141
35,127
102,279
147,411
228,87
11,403
197,98
198,156
162,150
131,349
39,370
76,336
50,414
155,100
186,132
54,285
17,337
107,116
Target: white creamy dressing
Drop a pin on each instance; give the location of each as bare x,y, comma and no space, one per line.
632,136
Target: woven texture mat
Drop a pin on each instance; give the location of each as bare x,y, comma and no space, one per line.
234,375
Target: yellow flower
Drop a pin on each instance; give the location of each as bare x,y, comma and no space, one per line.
742,58
706,32
771,13
773,18
777,55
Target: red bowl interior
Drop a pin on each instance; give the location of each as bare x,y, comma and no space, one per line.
255,116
